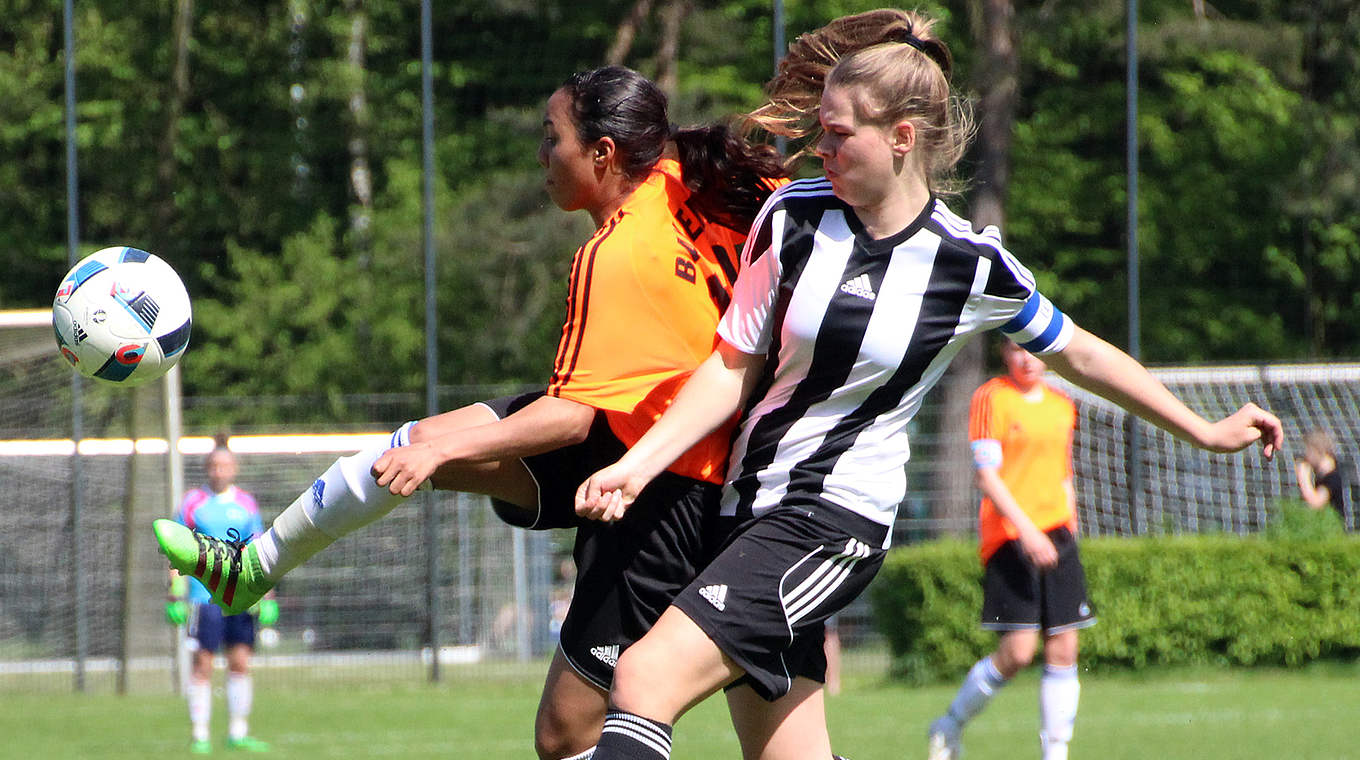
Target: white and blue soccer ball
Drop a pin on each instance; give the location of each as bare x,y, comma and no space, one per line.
122,316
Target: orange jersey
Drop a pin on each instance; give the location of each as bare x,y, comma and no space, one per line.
1036,456
644,299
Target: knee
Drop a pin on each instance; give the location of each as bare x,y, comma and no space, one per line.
1013,659
1060,651
630,668
558,735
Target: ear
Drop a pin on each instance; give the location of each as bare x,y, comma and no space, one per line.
903,138
603,152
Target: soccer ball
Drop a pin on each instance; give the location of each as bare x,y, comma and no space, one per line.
122,316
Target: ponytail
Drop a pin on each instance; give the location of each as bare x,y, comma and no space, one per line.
729,177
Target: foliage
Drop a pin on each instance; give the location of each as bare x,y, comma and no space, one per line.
1204,600
1248,198
1294,519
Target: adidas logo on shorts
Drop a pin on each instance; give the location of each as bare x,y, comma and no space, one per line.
318,492
716,595
860,286
609,655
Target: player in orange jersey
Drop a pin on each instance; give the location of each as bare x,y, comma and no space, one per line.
1021,431
646,291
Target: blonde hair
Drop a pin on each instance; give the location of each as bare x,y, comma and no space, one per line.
899,65
1321,442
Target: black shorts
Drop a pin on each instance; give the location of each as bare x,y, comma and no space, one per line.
557,473
628,571
765,597
1017,597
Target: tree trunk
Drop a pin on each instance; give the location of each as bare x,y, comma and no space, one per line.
166,168
998,75
668,54
627,32
360,178
996,119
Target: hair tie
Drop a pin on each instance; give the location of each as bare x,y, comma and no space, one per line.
905,37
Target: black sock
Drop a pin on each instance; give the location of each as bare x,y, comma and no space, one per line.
632,737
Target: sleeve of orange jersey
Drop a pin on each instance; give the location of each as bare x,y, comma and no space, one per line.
981,415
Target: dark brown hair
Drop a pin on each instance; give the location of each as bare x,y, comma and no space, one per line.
726,172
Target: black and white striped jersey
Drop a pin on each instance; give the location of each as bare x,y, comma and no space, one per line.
856,331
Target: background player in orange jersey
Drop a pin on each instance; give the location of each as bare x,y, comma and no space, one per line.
1021,431
646,290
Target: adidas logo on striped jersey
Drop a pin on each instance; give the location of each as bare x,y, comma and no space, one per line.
609,655
716,595
860,286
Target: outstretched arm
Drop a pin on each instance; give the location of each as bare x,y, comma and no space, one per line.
1314,494
710,397
1102,368
546,424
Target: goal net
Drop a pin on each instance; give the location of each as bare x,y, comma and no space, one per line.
1183,489
362,605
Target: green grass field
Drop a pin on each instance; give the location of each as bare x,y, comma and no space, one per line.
1243,715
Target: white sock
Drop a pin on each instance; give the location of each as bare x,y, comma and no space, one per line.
979,686
1059,691
583,756
344,499
200,708
240,695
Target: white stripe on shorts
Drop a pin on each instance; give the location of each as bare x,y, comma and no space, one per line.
823,581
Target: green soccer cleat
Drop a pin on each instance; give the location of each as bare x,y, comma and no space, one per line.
247,744
230,570
200,747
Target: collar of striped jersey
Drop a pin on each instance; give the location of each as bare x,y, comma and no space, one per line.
887,244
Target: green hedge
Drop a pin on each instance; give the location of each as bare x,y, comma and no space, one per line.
1190,600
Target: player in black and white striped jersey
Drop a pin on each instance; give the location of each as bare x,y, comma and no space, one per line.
858,290
865,327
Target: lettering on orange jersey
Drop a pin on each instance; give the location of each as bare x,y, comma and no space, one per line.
689,248
685,270
689,221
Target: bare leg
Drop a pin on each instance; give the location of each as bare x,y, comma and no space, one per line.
790,728
1015,652
671,669
570,712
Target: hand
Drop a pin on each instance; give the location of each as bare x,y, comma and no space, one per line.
266,612
176,611
1244,427
1038,549
607,494
405,468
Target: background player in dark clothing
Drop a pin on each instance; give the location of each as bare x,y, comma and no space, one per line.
1322,478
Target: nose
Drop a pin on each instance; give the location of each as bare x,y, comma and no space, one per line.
823,148
543,155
